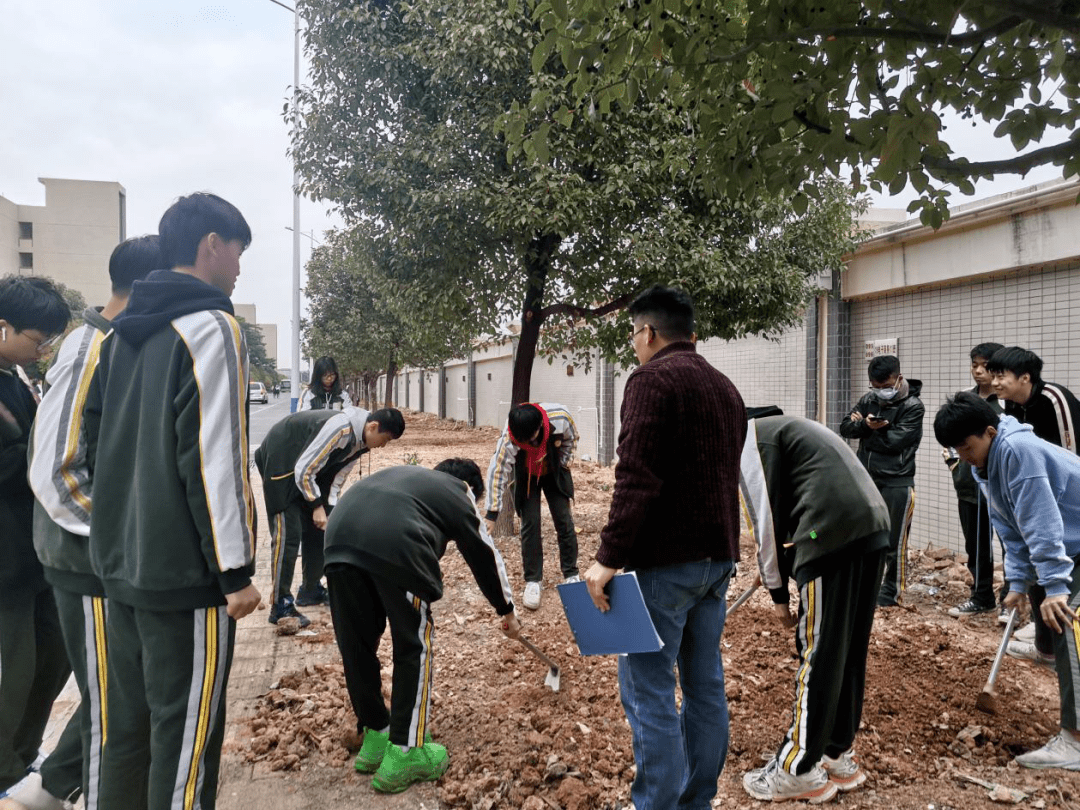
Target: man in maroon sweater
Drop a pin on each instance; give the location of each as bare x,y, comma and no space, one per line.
675,521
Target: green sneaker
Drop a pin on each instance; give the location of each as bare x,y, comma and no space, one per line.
371,752
400,769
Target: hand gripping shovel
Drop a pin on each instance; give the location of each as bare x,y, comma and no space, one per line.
987,701
552,678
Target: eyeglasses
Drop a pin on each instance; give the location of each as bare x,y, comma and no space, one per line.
642,329
44,344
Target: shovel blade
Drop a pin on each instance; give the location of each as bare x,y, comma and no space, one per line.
552,679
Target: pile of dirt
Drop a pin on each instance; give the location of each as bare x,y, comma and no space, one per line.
514,743
307,714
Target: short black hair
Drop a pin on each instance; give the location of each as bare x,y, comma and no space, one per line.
194,217
964,414
1018,361
524,420
467,471
985,350
132,260
389,421
325,365
882,367
33,302
669,309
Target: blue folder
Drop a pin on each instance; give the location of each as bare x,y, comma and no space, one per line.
626,628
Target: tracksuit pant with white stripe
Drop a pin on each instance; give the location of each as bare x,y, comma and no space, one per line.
167,676
901,503
361,604
33,670
836,613
75,763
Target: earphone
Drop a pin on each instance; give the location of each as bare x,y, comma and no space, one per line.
3,332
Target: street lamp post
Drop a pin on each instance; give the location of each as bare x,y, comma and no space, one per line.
295,371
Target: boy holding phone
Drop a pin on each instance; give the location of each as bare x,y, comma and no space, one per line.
887,421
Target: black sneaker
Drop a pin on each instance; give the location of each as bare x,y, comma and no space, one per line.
285,609
970,607
307,597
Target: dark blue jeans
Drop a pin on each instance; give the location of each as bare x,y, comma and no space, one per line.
679,755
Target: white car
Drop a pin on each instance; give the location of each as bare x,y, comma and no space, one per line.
257,393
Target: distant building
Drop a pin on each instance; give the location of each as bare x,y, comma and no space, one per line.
70,238
268,330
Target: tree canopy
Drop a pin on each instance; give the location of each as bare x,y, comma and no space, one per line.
262,367
350,320
783,90
403,127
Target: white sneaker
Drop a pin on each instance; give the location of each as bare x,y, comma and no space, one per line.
574,578
29,794
1061,752
844,771
531,597
1025,633
772,784
1027,651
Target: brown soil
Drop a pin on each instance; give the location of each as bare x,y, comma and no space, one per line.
516,744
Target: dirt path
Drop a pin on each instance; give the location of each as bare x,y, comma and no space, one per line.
515,744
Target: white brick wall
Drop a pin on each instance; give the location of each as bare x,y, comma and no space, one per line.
493,395
550,383
766,372
457,390
937,329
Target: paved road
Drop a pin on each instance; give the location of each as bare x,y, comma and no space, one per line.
263,417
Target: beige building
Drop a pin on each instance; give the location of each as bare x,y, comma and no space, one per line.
70,238
268,330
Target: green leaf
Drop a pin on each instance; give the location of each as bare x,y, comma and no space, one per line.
782,112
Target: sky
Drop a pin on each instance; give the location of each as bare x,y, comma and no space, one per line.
167,98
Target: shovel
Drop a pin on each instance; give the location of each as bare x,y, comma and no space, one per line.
743,597
987,701
552,677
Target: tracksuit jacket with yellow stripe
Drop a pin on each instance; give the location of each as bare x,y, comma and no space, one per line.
808,498
504,462
173,523
59,473
307,456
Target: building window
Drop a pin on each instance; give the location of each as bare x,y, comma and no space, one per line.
26,261
26,230
489,377
569,371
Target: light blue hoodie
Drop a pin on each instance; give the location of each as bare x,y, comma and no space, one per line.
1034,492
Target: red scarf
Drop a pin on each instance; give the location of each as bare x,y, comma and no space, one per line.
534,456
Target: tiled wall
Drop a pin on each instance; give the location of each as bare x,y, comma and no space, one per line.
577,391
766,372
937,328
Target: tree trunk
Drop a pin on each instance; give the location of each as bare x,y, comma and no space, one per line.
538,264
391,372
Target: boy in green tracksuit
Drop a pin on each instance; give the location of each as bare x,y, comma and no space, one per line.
304,461
61,482
383,546
33,662
817,517
172,530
